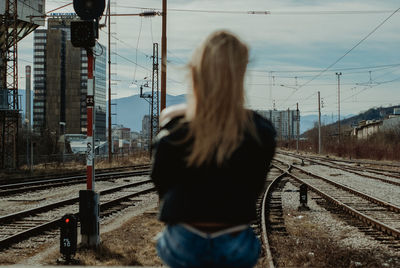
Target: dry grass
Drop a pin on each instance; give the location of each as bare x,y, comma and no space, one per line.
308,245
379,146
131,244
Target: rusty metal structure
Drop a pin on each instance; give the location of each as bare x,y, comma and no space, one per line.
14,26
154,98
155,108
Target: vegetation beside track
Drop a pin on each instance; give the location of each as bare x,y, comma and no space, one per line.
378,146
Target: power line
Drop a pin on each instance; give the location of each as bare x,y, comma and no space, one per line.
320,70
351,49
125,58
372,86
137,47
128,45
345,54
268,12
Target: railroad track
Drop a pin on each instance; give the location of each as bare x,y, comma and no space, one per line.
376,167
270,216
9,180
390,177
22,187
22,225
378,214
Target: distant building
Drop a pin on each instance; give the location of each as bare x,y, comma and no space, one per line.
366,128
286,123
60,81
121,137
146,126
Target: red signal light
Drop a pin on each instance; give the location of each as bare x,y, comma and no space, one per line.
67,220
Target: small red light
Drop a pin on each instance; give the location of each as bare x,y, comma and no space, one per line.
67,220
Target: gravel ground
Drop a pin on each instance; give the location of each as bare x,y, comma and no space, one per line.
346,241
142,214
128,237
385,191
19,202
381,190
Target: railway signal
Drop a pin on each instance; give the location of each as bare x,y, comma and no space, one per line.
303,197
68,236
84,34
89,9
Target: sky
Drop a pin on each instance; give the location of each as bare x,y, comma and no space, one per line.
296,49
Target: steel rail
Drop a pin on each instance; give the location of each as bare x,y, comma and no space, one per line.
363,217
264,216
353,169
362,162
38,178
46,226
375,200
45,184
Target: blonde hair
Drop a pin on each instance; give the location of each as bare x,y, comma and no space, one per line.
217,117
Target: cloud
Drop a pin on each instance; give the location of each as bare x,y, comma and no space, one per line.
283,40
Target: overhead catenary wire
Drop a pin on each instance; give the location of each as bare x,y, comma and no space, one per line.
351,49
320,70
137,47
344,55
267,12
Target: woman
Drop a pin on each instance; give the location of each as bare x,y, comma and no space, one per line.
210,162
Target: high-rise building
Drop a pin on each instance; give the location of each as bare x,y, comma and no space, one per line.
60,81
285,122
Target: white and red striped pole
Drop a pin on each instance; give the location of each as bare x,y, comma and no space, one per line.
90,123
89,199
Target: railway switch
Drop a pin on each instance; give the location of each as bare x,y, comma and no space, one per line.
68,236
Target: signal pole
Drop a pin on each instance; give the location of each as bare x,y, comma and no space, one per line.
338,77
319,123
109,86
164,56
90,122
298,127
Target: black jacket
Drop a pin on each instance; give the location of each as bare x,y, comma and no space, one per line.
211,193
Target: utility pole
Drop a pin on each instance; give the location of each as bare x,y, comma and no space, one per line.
164,56
288,125
109,86
319,123
28,117
298,127
338,77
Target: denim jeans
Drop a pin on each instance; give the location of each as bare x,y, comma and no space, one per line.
180,247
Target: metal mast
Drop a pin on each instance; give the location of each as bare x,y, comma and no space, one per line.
155,95
9,87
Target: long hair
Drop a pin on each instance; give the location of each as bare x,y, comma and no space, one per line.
217,117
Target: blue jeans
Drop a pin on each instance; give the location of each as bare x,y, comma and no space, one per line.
180,247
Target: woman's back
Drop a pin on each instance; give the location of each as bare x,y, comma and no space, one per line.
211,192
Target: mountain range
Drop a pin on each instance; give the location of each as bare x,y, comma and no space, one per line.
131,110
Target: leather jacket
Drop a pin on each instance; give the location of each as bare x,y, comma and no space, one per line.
226,193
